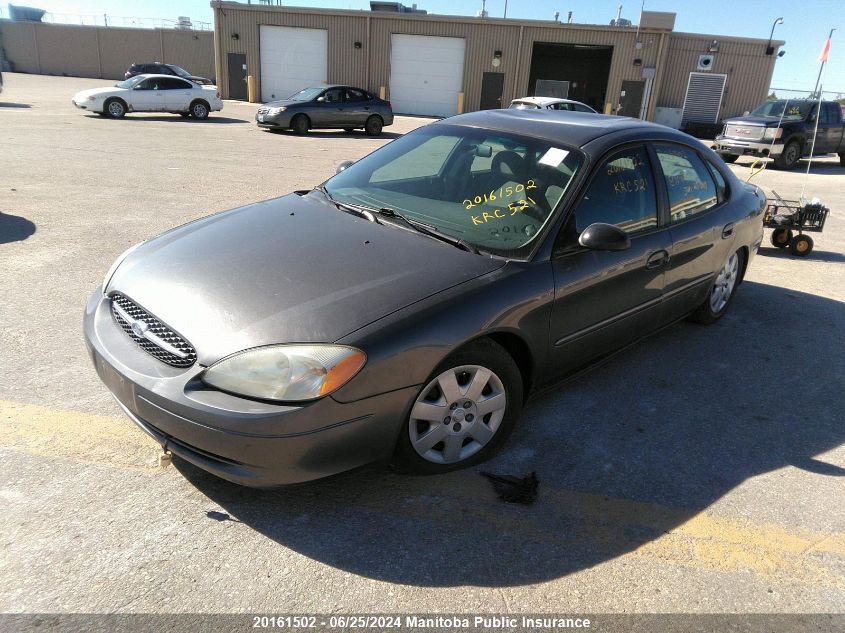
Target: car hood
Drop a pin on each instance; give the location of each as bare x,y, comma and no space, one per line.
284,102
757,120
294,269
94,92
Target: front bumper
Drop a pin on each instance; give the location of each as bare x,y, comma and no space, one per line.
244,441
739,147
281,120
91,106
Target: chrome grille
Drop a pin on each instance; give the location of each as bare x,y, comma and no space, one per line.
150,334
750,132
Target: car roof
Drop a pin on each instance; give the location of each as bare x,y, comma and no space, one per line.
545,100
576,129
160,75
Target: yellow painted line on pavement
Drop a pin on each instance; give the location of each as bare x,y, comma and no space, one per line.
637,529
50,432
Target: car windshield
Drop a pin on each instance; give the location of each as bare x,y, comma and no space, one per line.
179,71
131,82
494,190
306,95
791,110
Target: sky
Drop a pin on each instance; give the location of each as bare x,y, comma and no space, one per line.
805,28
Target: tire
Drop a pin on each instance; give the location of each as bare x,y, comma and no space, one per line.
722,291
373,125
300,124
781,238
199,110
729,158
463,435
115,108
842,159
790,156
801,245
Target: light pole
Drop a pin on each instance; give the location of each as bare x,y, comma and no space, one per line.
770,50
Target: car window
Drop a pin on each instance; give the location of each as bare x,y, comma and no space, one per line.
721,185
621,193
562,106
580,108
423,161
689,183
173,83
147,84
354,95
427,175
334,95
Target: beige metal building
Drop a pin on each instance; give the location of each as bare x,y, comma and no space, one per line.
439,65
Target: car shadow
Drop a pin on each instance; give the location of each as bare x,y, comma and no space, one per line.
357,134
8,104
14,228
174,118
624,454
783,253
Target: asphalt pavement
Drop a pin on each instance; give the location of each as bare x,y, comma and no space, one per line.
702,470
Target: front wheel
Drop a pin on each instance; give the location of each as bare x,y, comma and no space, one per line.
801,245
300,124
114,108
790,156
721,292
373,126
199,110
464,412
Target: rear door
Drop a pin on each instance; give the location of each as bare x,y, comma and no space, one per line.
178,94
830,129
605,299
356,107
699,224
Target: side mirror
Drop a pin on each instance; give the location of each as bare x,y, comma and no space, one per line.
344,165
604,237
321,99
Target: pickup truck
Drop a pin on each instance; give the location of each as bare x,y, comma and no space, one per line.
783,130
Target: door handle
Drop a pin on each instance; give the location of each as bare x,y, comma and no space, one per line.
658,259
728,230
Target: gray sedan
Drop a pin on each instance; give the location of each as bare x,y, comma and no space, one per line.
342,107
406,308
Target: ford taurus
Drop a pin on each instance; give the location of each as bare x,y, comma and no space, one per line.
406,308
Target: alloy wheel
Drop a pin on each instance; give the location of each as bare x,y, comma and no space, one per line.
116,109
725,283
457,414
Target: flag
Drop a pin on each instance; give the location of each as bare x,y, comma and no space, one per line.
825,51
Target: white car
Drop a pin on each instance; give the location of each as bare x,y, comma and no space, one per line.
550,103
151,93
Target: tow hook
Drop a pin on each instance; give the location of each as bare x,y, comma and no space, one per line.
165,458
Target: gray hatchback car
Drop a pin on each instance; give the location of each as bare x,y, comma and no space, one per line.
333,106
407,307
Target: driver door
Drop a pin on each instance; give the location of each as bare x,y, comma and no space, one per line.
606,299
148,96
326,113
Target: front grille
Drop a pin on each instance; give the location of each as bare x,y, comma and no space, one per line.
749,132
150,334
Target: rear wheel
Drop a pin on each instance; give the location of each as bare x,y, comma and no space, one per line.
373,126
729,158
790,156
801,245
114,108
464,412
300,124
721,292
781,238
199,110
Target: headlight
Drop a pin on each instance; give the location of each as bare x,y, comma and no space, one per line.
772,133
274,111
116,264
289,373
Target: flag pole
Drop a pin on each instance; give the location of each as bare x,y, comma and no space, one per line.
823,58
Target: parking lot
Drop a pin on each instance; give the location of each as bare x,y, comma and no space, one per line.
701,470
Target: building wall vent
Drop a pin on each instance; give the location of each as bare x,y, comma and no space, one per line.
705,62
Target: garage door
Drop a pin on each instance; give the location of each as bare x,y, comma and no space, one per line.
291,59
426,74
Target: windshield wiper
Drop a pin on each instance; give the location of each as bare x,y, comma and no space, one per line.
359,210
428,229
